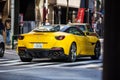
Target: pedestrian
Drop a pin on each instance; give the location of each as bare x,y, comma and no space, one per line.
69,21
47,22
2,29
94,26
99,28
8,31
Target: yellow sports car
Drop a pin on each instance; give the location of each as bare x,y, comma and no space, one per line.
57,42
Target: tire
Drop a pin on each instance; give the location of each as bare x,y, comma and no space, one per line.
23,59
72,53
2,49
96,51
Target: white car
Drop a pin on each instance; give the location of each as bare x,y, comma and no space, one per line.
86,28
2,46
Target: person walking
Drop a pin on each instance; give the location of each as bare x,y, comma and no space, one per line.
47,22
8,31
2,29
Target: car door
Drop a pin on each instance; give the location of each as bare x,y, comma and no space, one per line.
82,41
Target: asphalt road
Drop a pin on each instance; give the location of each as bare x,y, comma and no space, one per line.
11,68
51,73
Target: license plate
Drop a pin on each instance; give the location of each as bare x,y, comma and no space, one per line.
38,45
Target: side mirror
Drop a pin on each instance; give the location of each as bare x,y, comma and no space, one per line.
87,33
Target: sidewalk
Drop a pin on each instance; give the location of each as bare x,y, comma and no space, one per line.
11,46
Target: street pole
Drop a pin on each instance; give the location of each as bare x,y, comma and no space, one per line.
46,6
12,22
59,14
88,15
67,11
111,58
87,9
44,12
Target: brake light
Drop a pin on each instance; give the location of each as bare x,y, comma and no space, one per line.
20,37
21,48
56,48
61,37
93,34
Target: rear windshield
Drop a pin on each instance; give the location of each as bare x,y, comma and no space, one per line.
47,28
82,27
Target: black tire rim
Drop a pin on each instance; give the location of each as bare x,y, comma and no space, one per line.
73,52
1,51
97,50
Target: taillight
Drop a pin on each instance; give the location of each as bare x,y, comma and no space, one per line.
20,37
93,34
21,48
56,48
61,37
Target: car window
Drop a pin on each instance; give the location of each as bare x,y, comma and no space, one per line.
55,28
90,29
82,27
75,31
47,28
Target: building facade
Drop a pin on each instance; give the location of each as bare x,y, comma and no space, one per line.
5,10
25,14
57,11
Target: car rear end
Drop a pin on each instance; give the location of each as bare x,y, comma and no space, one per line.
41,44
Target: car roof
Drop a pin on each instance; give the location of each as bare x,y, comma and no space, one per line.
66,27
78,24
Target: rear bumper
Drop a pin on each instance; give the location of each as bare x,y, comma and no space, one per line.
41,53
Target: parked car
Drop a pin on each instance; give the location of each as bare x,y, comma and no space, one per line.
2,46
55,42
86,28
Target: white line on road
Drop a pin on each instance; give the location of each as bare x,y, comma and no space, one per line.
24,64
16,63
89,65
3,59
10,61
53,66
10,52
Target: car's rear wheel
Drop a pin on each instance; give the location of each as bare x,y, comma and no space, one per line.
72,53
24,59
96,51
2,50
